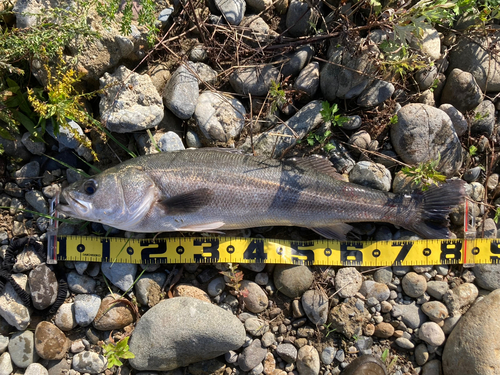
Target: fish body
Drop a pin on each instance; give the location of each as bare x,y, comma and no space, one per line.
210,190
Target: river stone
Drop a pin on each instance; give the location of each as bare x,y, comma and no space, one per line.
148,288
487,276
36,369
186,290
315,305
252,355
484,124
50,341
372,175
300,18
435,310
86,307
219,118
459,297
424,133
89,362
65,317
348,282
411,314
80,283
183,330
22,349
308,362
43,287
287,352
232,10
471,347
129,101
256,300
431,333
253,80
380,291
474,56
181,92
6,364
461,90
121,275
414,285
457,118
346,318
292,281
12,308
437,289
113,315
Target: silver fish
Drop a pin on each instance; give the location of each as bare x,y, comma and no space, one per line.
209,190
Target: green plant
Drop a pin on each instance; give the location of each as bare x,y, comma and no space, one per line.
235,277
394,119
385,359
328,329
480,116
497,215
472,150
425,174
321,139
277,96
329,114
113,352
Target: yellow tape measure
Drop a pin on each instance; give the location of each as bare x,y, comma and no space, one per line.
250,250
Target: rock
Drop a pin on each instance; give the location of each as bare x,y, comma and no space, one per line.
80,283
89,362
375,94
427,41
348,282
252,355
211,366
170,141
22,349
71,136
12,308
86,307
483,121
383,275
27,173
256,326
43,287
121,275
487,276
181,92
435,310
308,79
347,319
423,133
148,288
130,101
65,317
219,118
372,175
185,290
308,361
36,200
411,315
379,291
36,369
437,289
50,341
292,281
414,285
232,10
5,364
461,90
256,300
459,297
300,18
426,77
339,82
421,354
384,330
457,118
328,355
432,368
112,315
404,343
274,142
253,80
185,330
315,304
470,348
287,352
259,5
431,333
450,323
472,55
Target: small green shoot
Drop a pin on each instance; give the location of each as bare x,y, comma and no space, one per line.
328,329
425,174
322,139
481,116
385,359
497,215
472,150
394,119
113,352
329,114
277,96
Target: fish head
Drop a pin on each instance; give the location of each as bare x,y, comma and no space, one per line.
119,197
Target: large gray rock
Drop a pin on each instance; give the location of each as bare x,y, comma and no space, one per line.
183,330
253,80
182,92
274,142
487,276
472,347
461,90
292,281
301,18
483,122
232,10
129,102
12,308
473,55
338,82
424,133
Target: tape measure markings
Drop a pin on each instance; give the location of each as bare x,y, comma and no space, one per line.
251,250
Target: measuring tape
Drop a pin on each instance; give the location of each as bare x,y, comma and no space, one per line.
258,250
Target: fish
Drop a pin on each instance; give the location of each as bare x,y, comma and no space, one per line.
208,190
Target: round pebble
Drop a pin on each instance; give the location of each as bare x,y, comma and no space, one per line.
414,285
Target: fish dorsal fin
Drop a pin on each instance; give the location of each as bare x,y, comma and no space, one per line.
188,202
337,231
317,163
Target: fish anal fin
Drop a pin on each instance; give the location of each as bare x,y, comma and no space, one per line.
337,231
188,202
205,227
319,164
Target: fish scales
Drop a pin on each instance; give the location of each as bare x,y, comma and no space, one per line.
209,190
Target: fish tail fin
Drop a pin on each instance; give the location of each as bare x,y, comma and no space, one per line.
431,219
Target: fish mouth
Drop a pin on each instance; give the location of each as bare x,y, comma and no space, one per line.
74,207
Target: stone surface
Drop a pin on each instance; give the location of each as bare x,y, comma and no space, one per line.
308,362
89,362
85,308
232,10
43,287
65,317
22,349
461,90
347,319
256,300
348,282
121,275
182,330
50,341
372,175
12,308
487,276
181,92
292,281
414,285
315,305
470,348
112,315
252,355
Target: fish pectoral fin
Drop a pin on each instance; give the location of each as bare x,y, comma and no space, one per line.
205,227
336,231
188,202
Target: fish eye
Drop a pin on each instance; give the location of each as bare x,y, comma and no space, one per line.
90,187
